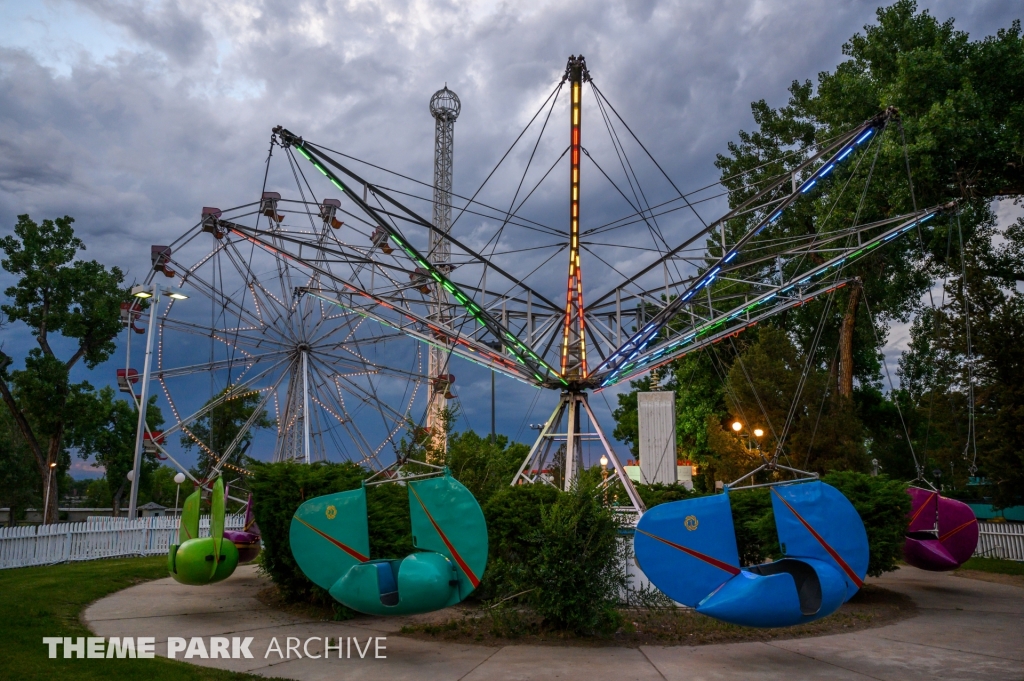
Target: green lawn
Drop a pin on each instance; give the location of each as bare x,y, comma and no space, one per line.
1003,567
47,601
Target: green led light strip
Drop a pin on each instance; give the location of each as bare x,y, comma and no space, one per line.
474,310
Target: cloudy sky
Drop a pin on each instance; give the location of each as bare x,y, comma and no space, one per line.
130,115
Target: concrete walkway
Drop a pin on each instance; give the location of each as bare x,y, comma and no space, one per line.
966,629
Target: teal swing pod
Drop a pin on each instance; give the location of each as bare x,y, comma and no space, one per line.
688,550
330,541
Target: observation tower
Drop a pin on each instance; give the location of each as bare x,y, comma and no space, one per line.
445,108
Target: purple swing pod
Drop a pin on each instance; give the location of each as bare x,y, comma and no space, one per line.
942,533
247,540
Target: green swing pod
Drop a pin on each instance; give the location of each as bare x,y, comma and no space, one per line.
330,542
202,560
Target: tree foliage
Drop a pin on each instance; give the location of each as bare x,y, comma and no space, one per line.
107,432
960,130
55,296
218,427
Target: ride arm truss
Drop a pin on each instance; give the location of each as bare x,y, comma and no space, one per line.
516,357
611,370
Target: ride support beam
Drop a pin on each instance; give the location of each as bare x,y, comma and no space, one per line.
574,343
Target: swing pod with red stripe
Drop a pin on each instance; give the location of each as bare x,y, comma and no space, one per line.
942,534
688,550
330,541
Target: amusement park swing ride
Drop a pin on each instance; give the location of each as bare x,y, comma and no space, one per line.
308,317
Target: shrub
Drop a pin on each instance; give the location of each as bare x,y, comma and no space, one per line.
756,538
484,467
883,505
577,566
659,493
513,514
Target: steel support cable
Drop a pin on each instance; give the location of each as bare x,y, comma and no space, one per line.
808,363
842,140
641,208
821,409
628,220
469,202
554,94
653,160
972,438
498,210
626,199
828,303
641,199
524,224
723,375
892,390
512,204
634,181
416,218
937,321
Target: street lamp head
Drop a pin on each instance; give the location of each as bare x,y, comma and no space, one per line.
758,432
177,296
604,460
53,465
737,426
179,478
141,291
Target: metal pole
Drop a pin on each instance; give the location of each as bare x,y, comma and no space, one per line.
143,403
305,406
494,437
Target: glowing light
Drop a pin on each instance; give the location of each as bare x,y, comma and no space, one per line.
737,426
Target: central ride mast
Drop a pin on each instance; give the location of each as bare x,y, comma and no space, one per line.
556,458
574,340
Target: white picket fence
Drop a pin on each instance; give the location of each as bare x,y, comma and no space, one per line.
113,537
1001,540
95,538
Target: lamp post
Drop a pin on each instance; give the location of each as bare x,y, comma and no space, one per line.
604,477
142,291
49,479
178,479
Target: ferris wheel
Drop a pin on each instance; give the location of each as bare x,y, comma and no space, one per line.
310,382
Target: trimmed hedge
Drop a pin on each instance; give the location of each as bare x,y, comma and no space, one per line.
560,551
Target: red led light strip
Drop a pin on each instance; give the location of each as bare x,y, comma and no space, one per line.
574,288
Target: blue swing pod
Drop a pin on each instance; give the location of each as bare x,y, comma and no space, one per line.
688,550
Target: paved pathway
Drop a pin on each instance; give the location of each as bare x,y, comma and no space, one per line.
967,629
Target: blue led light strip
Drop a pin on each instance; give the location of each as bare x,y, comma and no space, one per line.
613,366
636,364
